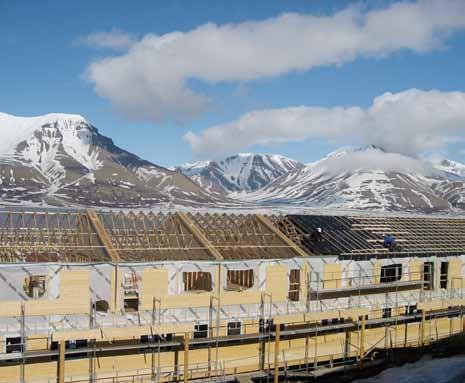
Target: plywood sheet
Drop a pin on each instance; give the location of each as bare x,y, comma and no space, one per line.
332,276
416,270
154,285
277,282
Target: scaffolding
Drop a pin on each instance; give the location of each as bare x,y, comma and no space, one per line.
329,317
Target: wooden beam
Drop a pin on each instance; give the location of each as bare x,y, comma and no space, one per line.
276,353
263,220
109,333
422,326
362,341
199,235
186,357
103,235
61,362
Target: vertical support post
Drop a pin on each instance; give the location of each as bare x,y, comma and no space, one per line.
422,334
362,341
210,335
276,352
23,340
261,330
405,334
115,292
186,357
347,345
306,353
309,281
176,365
315,358
158,361
61,362
153,310
153,347
152,362
461,319
218,315
92,362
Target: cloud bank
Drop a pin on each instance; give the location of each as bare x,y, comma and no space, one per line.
115,40
151,80
408,122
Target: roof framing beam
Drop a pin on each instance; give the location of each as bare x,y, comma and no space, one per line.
199,235
103,235
263,220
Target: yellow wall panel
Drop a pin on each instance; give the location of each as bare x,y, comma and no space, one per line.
455,274
10,374
116,291
332,276
240,297
74,298
37,342
377,272
154,285
416,270
9,309
186,300
277,283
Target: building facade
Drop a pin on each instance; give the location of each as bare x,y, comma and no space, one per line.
122,297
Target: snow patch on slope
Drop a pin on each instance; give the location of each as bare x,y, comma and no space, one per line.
15,129
365,178
238,173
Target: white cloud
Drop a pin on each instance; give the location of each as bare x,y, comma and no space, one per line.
369,159
115,39
408,122
150,81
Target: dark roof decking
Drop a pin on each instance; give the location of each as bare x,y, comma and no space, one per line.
362,236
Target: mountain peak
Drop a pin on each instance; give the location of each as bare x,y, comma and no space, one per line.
239,172
17,129
37,120
368,178
355,149
62,159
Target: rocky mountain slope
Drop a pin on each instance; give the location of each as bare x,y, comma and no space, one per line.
61,159
368,178
244,172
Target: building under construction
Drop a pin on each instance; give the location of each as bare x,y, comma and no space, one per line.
98,296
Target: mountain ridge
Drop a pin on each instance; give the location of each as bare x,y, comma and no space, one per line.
366,178
237,173
63,159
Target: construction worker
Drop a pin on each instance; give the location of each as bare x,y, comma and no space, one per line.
317,234
389,242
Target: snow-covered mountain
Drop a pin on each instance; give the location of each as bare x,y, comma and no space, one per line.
61,159
244,172
451,167
367,178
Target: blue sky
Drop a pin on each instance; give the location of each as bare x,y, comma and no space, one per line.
44,58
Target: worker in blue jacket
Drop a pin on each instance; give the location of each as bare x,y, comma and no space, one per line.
389,242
